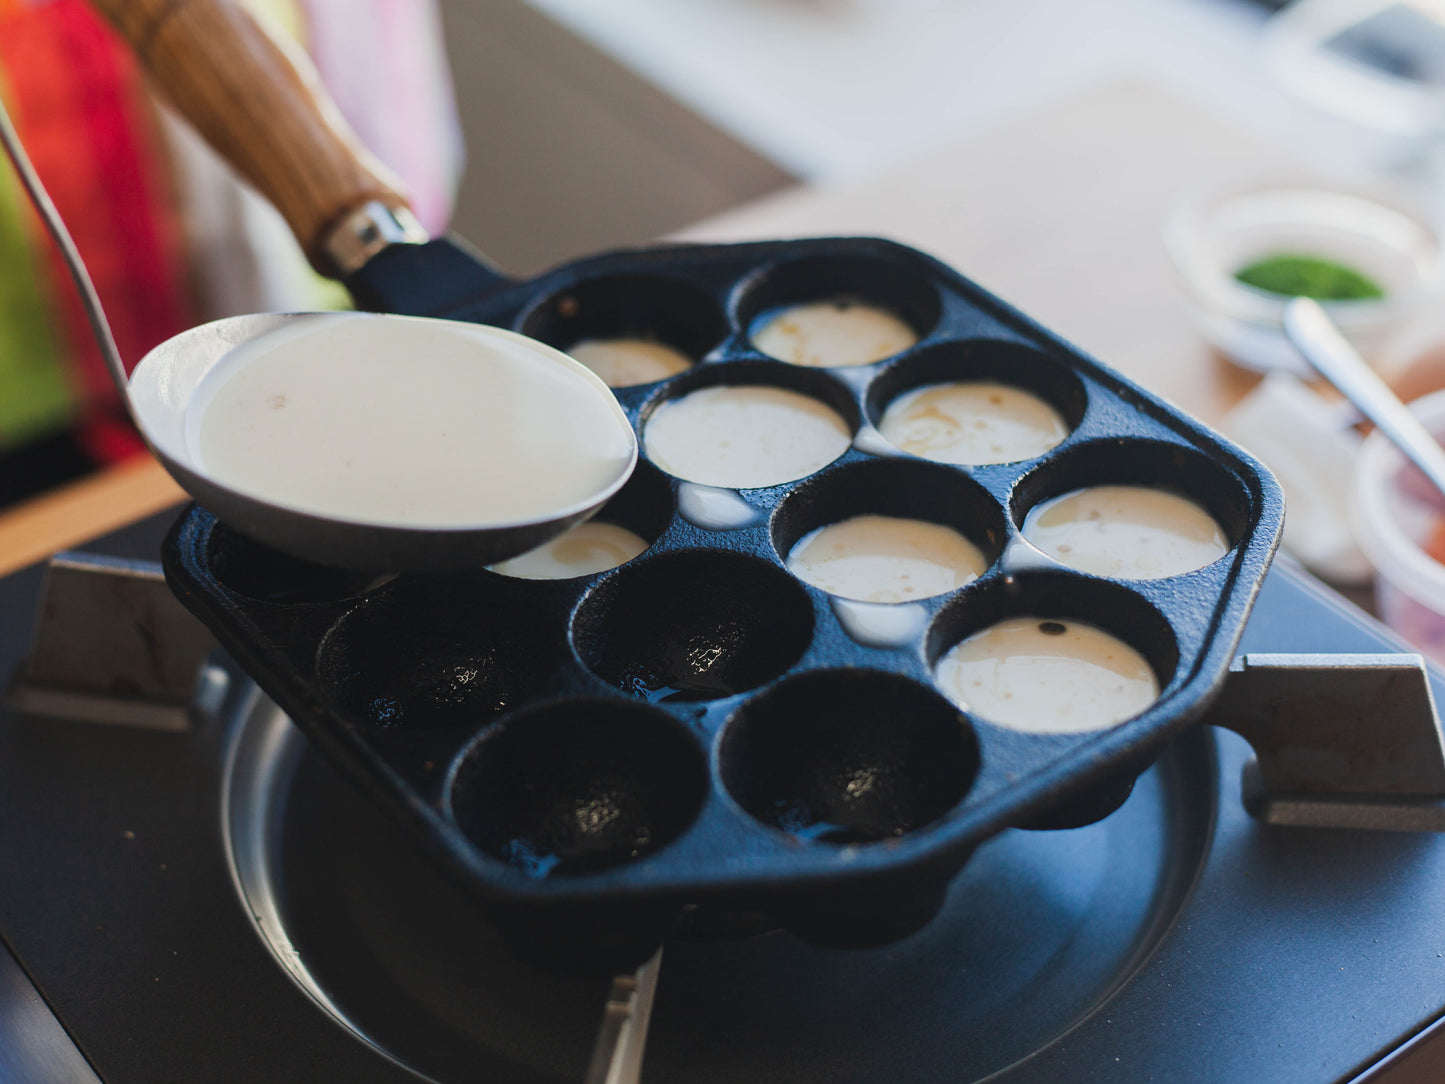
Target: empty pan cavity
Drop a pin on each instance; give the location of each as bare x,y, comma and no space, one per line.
888,531
693,625
976,402
629,329
1051,653
837,311
749,425
1132,509
625,527
436,653
575,787
258,572
848,756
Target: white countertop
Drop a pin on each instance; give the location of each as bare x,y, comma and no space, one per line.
831,89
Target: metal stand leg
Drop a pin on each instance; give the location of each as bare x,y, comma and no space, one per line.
622,1038
1341,741
112,645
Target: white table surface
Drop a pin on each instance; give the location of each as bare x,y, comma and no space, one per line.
834,89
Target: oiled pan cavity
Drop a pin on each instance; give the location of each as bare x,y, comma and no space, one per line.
576,787
258,572
836,312
629,329
693,625
440,653
848,756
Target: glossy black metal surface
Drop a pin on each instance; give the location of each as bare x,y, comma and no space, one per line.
116,898
408,686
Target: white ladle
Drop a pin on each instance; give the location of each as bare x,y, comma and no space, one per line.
169,385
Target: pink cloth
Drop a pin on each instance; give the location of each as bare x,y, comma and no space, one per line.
384,62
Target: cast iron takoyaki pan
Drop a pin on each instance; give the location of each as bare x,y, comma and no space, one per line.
698,728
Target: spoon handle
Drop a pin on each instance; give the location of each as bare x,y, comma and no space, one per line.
1316,337
55,226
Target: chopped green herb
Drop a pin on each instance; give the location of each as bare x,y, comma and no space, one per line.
1293,275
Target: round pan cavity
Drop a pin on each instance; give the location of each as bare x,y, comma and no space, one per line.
848,756
1173,468
434,653
699,452
1059,598
643,506
904,489
578,786
258,572
888,284
694,625
981,361
661,310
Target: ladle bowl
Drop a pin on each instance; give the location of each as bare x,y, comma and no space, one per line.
163,393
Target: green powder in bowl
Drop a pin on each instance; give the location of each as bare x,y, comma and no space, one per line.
1291,275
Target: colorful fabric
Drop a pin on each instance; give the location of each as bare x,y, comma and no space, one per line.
36,398
76,98
170,237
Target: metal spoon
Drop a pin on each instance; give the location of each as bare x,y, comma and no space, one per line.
1315,336
159,394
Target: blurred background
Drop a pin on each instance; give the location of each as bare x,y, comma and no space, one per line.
1110,165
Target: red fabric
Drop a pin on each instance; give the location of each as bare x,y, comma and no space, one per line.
77,100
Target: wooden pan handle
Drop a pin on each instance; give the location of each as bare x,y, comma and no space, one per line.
258,101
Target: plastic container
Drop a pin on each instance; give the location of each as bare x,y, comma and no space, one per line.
1393,520
1211,236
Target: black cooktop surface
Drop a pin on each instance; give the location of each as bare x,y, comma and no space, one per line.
1177,939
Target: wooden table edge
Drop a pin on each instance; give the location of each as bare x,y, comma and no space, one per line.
75,513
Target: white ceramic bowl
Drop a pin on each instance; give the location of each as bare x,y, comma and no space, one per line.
1211,236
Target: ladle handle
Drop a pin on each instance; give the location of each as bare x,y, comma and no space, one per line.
259,102
84,287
